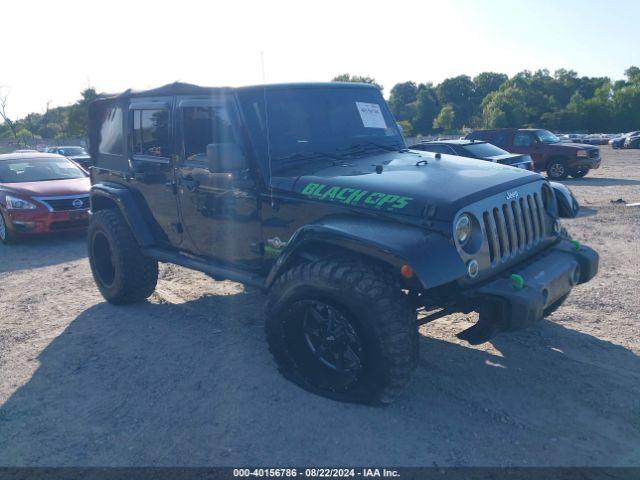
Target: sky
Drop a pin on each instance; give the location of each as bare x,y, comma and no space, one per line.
53,50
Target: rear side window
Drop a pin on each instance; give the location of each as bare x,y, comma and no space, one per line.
111,138
150,133
484,150
522,139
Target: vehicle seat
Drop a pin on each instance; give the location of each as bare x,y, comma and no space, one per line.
37,173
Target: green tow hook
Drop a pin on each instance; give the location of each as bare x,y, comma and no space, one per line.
576,244
518,281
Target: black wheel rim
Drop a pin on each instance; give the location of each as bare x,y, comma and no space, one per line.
556,170
103,259
326,345
332,338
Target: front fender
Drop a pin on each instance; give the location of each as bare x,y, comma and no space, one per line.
432,256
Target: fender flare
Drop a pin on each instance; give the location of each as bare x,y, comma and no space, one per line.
432,256
567,204
123,198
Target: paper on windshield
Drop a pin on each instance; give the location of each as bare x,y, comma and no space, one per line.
371,115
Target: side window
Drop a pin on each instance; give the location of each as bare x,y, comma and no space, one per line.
150,134
111,138
202,126
499,139
522,139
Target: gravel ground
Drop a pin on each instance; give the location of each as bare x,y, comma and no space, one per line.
186,379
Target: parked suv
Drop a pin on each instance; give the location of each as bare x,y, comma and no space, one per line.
549,154
309,193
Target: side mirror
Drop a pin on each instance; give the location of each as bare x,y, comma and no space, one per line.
225,157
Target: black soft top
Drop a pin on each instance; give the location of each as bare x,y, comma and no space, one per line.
179,88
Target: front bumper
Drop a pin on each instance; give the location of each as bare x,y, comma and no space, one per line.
590,163
38,222
519,298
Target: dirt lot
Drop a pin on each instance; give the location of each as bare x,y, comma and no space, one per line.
186,379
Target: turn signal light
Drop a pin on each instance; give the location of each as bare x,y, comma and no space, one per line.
406,271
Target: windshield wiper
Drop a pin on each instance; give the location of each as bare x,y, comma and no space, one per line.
370,146
302,157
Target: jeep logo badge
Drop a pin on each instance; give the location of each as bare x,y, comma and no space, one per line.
77,203
512,195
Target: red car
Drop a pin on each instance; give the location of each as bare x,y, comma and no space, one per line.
41,193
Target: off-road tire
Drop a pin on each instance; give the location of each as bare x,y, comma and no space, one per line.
579,172
381,312
133,277
557,169
554,306
8,237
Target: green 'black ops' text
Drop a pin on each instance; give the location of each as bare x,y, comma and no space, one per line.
354,196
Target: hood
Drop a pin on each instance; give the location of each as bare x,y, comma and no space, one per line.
411,183
50,188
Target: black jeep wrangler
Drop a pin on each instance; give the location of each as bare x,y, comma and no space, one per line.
309,193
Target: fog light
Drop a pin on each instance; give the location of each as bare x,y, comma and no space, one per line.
23,226
473,268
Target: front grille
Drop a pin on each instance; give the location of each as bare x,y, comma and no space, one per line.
66,203
514,227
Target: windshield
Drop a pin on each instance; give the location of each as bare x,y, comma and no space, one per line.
72,151
484,150
38,170
314,124
545,136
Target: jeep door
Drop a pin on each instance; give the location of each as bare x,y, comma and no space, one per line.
218,202
150,127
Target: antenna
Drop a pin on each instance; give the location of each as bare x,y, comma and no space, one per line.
266,125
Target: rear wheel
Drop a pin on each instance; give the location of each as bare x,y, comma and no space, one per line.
6,236
579,172
122,274
342,328
557,169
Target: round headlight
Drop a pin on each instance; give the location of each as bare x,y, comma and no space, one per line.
463,229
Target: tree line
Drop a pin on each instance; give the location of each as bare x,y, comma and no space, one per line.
58,123
561,102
